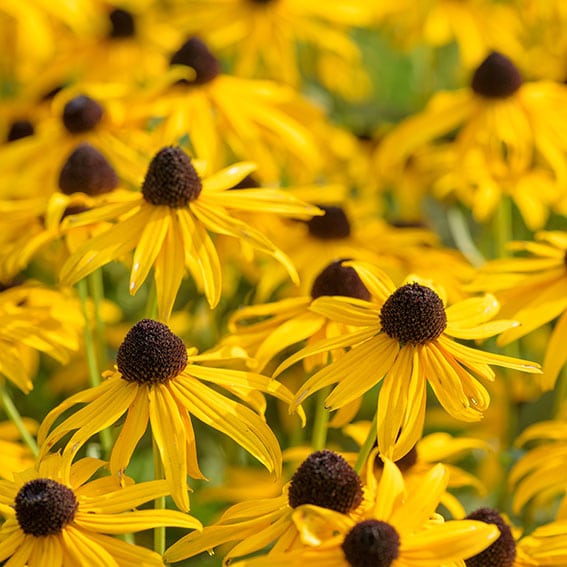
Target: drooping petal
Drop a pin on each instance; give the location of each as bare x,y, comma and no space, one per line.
555,354
84,550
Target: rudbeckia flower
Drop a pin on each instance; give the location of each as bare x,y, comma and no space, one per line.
168,225
34,225
438,447
323,482
33,319
405,336
158,380
268,39
502,125
399,529
55,514
225,116
533,290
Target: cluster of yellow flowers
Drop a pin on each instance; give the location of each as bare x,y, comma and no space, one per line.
331,232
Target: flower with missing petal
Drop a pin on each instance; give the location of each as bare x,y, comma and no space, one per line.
404,337
158,380
55,514
167,225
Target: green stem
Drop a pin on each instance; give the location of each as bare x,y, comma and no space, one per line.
502,227
96,288
151,302
16,419
319,435
367,445
159,503
462,236
92,362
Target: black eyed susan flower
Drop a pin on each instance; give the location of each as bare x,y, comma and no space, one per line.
323,481
437,447
404,336
225,116
399,529
168,224
33,319
268,329
157,380
55,513
269,39
505,130
533,291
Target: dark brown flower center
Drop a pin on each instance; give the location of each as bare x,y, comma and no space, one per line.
87,171
44,507
151,354
20,129
195,54
337,279
496,77
171,179
81,114
122,24
413,314
332,225
325,479
500,553
371,543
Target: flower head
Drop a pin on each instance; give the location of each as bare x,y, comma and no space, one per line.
157,380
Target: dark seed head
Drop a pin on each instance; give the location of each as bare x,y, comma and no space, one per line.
413,314
151,354
500,553
195,54
325,479
122,24
81,114
44,507
87,171
337,279
333,224
20,129
496,77
371,543
171,179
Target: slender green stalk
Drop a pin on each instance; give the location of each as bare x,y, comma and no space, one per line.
462,236
159,503
92,362
503,228
560,400
96,289
367,445
151,302
321,420
14,415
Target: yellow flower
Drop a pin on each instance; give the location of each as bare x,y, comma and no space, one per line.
225,116
270,39
35,318
503,127
53,513
438,447
533,291
157,380
168,225
323,482
34,225
404,336
400,529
